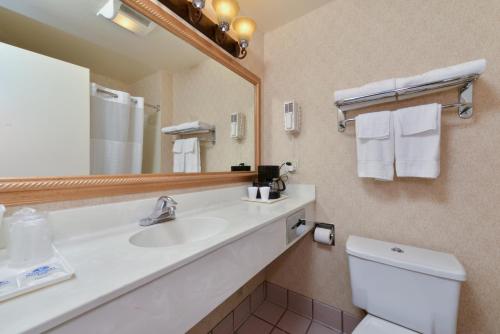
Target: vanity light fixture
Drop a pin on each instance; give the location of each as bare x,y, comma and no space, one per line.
199,4
195,11
226,12
244,27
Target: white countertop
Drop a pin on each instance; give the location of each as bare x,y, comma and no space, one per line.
107,265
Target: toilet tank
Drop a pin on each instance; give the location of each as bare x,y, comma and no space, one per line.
412,287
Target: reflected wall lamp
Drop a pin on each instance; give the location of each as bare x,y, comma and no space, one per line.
226,12
244,27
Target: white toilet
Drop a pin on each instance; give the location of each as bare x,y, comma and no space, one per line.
404,289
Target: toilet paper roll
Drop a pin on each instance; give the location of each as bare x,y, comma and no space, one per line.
323,236
300,229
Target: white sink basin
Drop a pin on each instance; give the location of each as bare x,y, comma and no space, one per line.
179,231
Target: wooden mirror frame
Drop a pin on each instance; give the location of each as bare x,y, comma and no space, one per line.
31,190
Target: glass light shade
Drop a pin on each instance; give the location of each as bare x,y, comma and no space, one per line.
199,4
244,28
226,11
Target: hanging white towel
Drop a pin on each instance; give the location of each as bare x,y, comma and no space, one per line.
187,155
417,137
192,155
178,152
368,89
465,69
375,145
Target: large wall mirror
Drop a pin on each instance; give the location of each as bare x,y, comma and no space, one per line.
84,96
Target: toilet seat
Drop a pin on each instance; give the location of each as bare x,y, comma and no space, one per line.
374,325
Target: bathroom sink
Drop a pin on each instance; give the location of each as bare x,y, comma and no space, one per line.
179,231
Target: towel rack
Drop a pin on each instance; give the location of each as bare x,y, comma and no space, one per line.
155,107
464,104
210,132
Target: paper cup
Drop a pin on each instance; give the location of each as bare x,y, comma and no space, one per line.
252,193
264,193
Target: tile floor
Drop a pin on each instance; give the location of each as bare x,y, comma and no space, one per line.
271,309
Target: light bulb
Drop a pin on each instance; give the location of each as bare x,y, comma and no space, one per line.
199,4
244,28
226,11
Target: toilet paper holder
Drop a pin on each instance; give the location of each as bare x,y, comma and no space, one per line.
330,227
299,222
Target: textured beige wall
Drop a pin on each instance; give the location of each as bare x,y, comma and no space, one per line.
346,44
151,88
166,164
209,92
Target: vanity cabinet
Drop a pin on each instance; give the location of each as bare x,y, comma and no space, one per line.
177,301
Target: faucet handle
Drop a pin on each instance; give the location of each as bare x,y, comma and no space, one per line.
169,201
162,205
164,210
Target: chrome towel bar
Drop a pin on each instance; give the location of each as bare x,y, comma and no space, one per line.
464,104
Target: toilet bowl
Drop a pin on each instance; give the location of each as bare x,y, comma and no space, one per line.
404,289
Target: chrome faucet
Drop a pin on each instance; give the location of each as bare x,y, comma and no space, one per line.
164,211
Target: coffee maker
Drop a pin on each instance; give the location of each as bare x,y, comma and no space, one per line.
269,176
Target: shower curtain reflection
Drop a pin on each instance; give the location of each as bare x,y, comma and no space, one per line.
116,132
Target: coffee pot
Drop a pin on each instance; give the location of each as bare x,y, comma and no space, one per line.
277,185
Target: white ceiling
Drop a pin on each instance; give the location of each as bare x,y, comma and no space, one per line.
271,14
70,30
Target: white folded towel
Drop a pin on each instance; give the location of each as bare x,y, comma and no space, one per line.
187,156
375,145
189,126
417,140
189,145
368,89
178,151
192,155
469,68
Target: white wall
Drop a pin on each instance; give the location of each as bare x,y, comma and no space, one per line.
44,115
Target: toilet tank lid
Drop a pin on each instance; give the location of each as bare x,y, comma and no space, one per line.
421,260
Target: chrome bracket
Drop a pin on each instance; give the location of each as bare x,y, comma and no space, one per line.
465,99
340,120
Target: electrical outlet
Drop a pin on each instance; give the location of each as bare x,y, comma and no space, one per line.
293,167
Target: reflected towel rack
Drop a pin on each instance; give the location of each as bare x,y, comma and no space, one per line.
211,132
155,107
464,104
